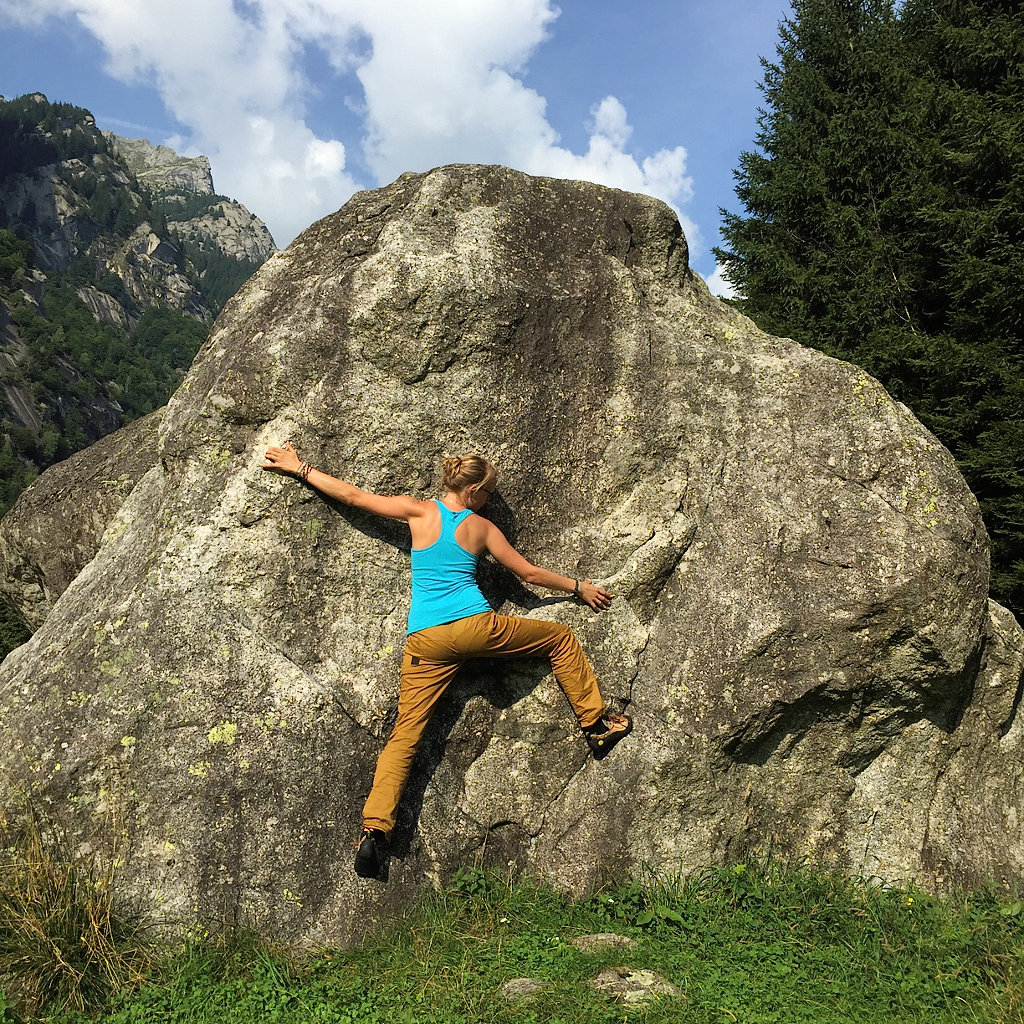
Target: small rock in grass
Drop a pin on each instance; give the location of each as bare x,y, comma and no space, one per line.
521,988
633,987
602,941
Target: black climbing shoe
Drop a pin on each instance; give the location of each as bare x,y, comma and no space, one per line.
606,732
372,852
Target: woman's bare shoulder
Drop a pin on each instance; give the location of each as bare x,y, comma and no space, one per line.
420,506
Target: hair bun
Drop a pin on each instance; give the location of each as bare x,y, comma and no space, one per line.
459,471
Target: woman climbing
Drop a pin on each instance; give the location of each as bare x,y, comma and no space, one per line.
450,621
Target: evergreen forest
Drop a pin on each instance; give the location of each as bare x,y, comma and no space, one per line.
883,222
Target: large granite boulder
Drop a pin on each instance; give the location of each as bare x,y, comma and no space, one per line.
801,631
56,527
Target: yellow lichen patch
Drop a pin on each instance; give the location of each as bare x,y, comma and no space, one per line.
168,847
385,651
223,733
200,769
128,741
116,665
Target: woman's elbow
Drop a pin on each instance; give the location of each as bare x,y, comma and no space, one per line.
532,575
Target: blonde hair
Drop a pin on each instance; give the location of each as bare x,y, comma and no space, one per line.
464,471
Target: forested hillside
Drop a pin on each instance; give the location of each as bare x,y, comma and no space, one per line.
108,283
115,257
884,222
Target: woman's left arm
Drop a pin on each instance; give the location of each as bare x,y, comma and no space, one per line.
499,548
287,460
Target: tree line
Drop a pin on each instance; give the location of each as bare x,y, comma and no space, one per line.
884,217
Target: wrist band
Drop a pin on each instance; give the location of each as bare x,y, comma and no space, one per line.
303,473
576,589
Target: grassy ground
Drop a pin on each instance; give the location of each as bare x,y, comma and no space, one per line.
743,944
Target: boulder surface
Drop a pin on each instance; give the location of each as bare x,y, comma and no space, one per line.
801,628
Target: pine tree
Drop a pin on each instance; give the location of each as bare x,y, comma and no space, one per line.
821,184
970,55
884,218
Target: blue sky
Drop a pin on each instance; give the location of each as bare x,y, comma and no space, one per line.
298,103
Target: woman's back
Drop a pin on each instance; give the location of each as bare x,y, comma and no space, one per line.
444,586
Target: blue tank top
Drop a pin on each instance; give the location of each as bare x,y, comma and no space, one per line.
444,586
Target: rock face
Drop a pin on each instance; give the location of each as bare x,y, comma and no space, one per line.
222,224
801,630
160,168
56,527
51,205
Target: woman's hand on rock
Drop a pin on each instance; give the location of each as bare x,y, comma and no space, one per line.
593,595
285,459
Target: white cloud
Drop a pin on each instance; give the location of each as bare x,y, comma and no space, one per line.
439,83
720,285
609,121
234,81
440,88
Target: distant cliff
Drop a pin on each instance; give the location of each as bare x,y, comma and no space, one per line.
115,257
183,188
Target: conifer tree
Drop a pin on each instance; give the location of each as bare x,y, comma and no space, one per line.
970,56
884,218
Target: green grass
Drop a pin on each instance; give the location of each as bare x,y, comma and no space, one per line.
746,944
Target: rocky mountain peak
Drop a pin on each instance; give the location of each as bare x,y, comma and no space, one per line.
217,222
161,169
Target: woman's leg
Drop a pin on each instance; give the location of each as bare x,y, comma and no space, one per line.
428,665
490,635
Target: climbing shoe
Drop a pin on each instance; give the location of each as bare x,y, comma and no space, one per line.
372,852
606,732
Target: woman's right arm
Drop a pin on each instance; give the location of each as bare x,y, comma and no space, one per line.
400,506
500,549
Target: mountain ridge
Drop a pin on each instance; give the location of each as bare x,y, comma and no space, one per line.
115,257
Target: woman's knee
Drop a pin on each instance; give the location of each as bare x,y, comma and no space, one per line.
403,743
565,634
566,643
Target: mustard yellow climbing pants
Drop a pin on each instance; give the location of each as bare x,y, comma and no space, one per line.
431,659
